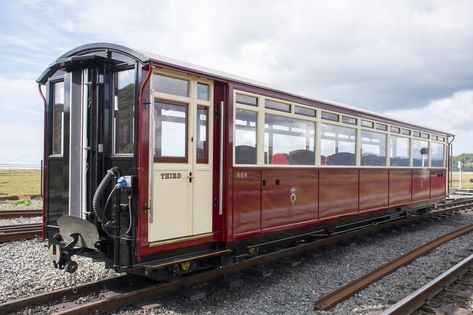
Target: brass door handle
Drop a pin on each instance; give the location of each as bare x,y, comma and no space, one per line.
190,176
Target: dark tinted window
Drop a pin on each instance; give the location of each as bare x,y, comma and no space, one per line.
58,117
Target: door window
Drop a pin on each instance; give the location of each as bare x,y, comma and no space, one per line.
170,132
202,134
58,118
124,82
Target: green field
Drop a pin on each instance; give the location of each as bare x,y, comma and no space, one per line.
21,183
466,176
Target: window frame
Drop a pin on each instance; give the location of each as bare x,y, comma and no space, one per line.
260,130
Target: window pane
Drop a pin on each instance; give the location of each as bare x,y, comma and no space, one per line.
373,148
203,91
395,129
329,116
425,136
337,145
202,135
247,100
406,132
420,153
366,123
277,106
170,132
416,134
58,117
305,111
434,137
399,151
123,113
170,85
245,137
288,141
349,120
382,127
437,154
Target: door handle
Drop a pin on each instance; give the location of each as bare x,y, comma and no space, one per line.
190,176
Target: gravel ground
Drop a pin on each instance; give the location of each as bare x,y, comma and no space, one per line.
293,290
14,221
26,270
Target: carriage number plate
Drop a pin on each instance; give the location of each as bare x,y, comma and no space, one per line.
241,175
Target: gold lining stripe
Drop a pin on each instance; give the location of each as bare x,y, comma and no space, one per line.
191,258
181,239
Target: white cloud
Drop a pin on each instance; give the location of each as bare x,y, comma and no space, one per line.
453,114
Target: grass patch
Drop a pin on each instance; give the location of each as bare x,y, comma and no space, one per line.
21,183
465,180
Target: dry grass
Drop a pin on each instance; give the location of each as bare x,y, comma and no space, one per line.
21,183
466,176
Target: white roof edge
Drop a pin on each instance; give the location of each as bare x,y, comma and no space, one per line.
232,77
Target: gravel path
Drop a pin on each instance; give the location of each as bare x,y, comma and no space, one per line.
26,270
15,205
14,221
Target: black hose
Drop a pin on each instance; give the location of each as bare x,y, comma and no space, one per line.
112,173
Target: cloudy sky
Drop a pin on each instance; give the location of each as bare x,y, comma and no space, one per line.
409,59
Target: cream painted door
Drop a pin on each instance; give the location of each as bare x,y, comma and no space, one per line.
182,168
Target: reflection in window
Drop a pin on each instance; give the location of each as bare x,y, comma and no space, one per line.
437,154
58,118
288,141
337,145
329,116
420,153
202,134
305,111
124,83
203,91
277,106
170,132
373,148
245,137
170,85
399,151
246,99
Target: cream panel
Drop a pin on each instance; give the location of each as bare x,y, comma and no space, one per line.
202,214
171,210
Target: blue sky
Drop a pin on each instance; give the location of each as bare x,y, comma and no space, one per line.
410,59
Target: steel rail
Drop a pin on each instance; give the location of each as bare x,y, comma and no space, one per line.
48,297
114,302
11,214
330,300
416,299
19,232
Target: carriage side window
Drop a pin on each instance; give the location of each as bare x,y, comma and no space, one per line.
169,85
170,132
245,137
203,91
437,154
373,148
202,134
58,118
288,141
420,153
124,82
337,145
399,151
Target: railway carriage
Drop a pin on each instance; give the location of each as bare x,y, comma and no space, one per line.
159,168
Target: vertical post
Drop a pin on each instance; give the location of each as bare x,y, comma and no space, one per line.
460,177
41,177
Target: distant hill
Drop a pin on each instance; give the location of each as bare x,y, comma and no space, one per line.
466,158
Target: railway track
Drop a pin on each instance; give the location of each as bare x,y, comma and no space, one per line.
122,295
20,232
436,297
11,214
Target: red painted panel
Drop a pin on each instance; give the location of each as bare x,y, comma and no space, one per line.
420,184
246,200
400,184
278,186
338,191
374,189
437,183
